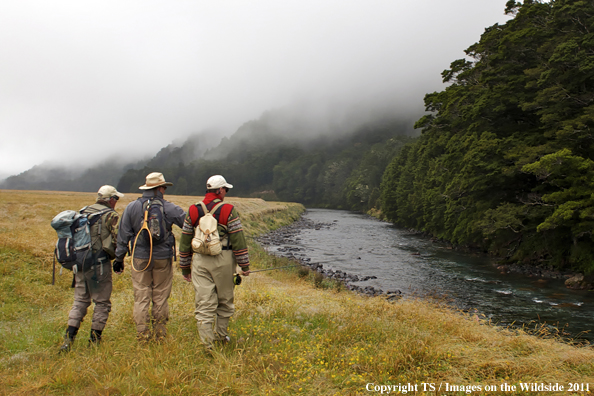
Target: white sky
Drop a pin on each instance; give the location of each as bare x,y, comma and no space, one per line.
130,76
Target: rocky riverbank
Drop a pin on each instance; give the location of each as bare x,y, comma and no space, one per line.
287,238
573,280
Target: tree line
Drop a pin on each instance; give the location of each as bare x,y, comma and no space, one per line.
505,159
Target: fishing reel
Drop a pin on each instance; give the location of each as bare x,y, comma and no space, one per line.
236,279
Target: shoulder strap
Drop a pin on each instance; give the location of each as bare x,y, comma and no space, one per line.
213,210
93,217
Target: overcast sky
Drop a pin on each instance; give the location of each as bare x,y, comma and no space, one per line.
130,76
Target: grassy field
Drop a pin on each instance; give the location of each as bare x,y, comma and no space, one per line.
293,333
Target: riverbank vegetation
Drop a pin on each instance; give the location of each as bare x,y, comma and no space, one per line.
505,161
292,334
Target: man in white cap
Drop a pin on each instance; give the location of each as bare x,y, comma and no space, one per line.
152,251
212,276
93,281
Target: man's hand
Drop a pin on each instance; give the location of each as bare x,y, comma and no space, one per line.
188,278
118,266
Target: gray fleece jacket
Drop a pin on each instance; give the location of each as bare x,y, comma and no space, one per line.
131,223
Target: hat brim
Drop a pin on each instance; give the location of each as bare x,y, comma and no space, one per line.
145,187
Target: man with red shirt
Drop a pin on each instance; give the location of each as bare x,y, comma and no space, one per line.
212,276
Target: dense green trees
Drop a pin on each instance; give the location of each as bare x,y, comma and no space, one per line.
505,158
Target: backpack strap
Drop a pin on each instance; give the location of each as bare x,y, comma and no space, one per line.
199,209
204,210
213,210
94,216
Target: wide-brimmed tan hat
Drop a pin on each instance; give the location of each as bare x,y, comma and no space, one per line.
154,180
108,191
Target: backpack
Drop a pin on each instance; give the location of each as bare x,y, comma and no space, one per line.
155,228
206,235
74,237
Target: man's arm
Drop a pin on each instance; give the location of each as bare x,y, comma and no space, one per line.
174,214
111,222
124,234
185,243
238,242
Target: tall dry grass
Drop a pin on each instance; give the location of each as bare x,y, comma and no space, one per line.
289,336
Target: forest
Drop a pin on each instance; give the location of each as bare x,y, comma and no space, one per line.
504,162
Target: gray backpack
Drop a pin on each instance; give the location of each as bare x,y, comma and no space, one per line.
74,237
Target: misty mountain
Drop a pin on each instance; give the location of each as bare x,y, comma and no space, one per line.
191,149
329,156
58,178
291,156
85,178
308,125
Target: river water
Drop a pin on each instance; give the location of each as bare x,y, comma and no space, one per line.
403,260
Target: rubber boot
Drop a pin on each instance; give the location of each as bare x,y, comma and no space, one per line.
69,338
222,333
95,337
207,336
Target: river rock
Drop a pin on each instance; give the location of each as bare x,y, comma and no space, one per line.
578,282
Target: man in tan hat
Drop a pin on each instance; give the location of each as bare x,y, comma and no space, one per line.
212,276
145,231
93,280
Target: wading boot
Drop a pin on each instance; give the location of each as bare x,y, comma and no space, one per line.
160,332
221,332
95,338
143,336
206,333
223,340
69,338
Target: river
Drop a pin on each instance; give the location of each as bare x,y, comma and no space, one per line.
399,259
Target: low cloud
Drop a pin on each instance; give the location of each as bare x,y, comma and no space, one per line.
87,80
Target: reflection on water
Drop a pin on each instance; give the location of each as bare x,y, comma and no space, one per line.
360,245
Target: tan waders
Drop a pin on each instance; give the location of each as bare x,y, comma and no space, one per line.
212,277
151,286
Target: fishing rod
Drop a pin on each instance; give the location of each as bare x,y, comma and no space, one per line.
275,268
237,277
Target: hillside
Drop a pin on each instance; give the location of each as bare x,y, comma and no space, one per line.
63,174
293,333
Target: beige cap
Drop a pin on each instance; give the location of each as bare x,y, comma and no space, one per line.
154,180
216,182
108,191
